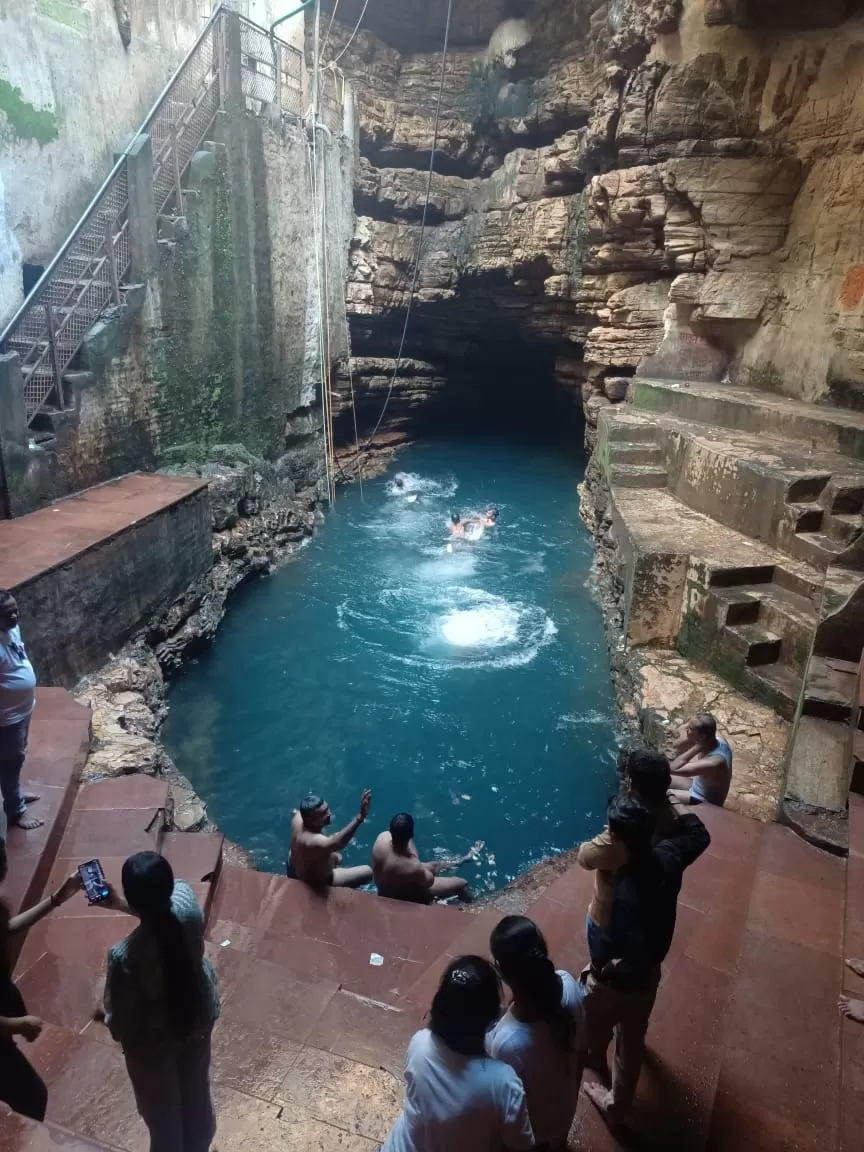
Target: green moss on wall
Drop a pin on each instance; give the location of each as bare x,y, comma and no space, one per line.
25,121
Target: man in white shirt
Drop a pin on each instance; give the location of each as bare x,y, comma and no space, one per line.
17,701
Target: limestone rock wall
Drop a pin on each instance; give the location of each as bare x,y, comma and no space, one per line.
640,185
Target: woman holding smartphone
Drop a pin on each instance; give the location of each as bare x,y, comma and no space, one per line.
161,1002
21,1086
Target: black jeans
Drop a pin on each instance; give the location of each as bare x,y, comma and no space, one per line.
21,1086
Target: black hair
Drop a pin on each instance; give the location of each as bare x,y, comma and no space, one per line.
650,775
455,517
466,1005
519,950
6,595
705,724
402,829
493,512
631,822
399,482
310,804
148,884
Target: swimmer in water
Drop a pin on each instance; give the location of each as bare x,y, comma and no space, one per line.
489,519
456,527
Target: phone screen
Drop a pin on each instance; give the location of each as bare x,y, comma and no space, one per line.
95,887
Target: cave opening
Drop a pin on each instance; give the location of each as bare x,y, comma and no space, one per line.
464,376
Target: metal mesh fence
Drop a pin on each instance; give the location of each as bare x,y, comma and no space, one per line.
180,122
80,288
258,62
51,326
292,81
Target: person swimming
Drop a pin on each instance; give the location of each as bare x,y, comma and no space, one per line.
456,527
489,519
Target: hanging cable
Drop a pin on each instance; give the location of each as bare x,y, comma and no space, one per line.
342,276
419,250
329,29
351,37
312,158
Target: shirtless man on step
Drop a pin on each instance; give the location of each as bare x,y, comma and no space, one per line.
401,874
315,857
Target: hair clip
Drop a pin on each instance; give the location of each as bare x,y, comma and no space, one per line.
460,976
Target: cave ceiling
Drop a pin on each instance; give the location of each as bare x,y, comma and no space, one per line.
418,25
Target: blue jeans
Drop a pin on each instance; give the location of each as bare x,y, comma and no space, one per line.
13,749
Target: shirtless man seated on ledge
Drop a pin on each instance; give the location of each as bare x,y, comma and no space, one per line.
316,858
701,763
400,873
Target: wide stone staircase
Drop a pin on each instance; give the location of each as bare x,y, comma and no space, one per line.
321,995
738,518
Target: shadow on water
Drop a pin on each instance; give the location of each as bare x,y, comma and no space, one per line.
470,687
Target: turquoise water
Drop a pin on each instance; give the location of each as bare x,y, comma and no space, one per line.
469,687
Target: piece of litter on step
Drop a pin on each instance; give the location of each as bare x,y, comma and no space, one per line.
225,944
376,960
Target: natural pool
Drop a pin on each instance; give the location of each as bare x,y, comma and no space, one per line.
469,687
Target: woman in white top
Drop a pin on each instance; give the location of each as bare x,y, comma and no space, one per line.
542,1034
457,1099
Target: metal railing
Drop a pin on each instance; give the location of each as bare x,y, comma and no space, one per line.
86,276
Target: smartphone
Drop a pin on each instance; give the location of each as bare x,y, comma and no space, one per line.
95,886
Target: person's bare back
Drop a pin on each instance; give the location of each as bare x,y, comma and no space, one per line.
400,874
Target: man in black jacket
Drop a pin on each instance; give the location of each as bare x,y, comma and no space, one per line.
626,957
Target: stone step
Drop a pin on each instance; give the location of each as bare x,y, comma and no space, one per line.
734,606
768,488
808,517
624,428
845,494
637,476
721,406
844,527
756,644
777,685
831,689
624,452
816,548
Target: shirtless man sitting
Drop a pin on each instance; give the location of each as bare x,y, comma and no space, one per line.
400,873
316,858
701,764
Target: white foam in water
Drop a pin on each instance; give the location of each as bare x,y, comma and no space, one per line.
413,484
481,627
486,631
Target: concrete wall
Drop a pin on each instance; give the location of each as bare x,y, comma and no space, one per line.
70,95
77,614
218,342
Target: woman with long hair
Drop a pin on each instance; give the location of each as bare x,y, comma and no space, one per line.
542,1034
457,1099
21,1086
161,1002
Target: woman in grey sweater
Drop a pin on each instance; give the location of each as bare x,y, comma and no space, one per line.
161,1002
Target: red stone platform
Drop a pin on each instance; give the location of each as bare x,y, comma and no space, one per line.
747,1052
40,541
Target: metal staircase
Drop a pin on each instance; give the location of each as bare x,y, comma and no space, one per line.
87,275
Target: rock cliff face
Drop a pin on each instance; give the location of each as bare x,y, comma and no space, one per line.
640,184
